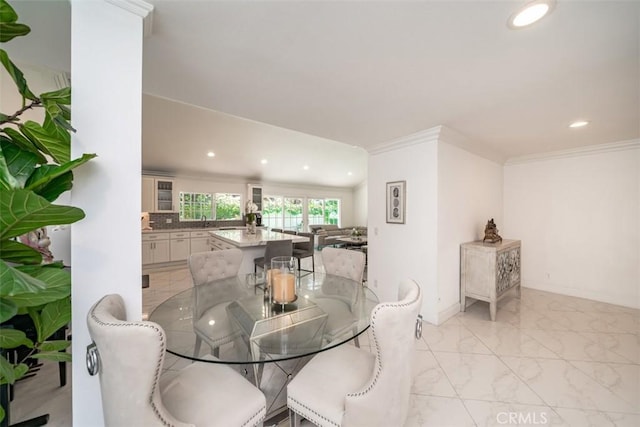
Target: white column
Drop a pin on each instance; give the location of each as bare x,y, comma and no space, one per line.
106,70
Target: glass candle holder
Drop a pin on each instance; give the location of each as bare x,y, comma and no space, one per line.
283,280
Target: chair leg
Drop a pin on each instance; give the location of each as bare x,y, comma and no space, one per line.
294,419
196,349
215,352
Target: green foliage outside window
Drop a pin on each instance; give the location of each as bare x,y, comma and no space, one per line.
228,207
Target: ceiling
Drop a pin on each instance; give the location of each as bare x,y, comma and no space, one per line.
302,83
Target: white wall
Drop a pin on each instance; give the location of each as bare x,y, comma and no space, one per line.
578,216
469,194
399,251
106,66
360,203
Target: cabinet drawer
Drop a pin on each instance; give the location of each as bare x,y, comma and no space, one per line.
150,237
199,234
180,235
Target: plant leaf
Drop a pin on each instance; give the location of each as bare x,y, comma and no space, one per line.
56,356
56,186
53,143
60,96
10,31
20,164
16,138
22,211
8,309
17,76
16,252
57,345
57,286
7,376
43,175
7,14
15,282
12,338
55,315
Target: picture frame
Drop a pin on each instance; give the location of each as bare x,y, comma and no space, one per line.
396,202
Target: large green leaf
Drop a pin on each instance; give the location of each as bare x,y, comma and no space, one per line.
15,282
10,31
56,186
10,373
60,96
20,164
17,76
43,175
55,315
15,137
22,211
7,180
48,140
12,338
7,14
56,356
16,252
8,309
57,125
57,345
57,286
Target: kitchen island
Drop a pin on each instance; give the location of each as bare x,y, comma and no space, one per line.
252,245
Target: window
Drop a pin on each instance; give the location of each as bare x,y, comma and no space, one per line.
323,211
194,206
272,211
228,207
293,214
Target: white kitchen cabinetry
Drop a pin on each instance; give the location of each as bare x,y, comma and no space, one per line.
157,195
199,241
255,195
180,246
155,248
488,271
219,244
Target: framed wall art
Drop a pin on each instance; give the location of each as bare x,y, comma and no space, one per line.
396,203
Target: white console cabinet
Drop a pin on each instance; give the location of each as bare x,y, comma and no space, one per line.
488,271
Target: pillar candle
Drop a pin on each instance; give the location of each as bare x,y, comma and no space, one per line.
284,287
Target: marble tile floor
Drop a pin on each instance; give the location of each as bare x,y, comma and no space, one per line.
548,359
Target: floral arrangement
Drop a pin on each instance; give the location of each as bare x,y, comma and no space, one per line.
250,210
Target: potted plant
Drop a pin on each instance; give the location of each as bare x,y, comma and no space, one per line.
35,168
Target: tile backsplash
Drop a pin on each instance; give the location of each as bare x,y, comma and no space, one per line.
159,222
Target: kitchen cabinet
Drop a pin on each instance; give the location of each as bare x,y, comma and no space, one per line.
199,241
155,248
255,195
157,194
488,271
180,246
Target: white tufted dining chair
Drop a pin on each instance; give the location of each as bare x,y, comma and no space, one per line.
130,357
348,386
344,263
206,267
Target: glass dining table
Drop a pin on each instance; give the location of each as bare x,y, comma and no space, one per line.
235,320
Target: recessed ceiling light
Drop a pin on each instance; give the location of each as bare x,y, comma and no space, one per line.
349,173
578,124
211,154
530,13
264,161
305,167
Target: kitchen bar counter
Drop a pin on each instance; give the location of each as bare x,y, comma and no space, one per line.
252,245
242,239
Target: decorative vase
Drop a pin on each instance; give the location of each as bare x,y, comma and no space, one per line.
251,227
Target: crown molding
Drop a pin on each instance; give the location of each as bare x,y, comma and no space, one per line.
633,144
429,135
138,7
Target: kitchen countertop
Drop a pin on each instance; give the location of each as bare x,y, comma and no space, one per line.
241,239
178,230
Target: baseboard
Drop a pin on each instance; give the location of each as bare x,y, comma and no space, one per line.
448,313
629,301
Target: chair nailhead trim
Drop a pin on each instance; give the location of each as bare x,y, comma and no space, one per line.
158,365
312,415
